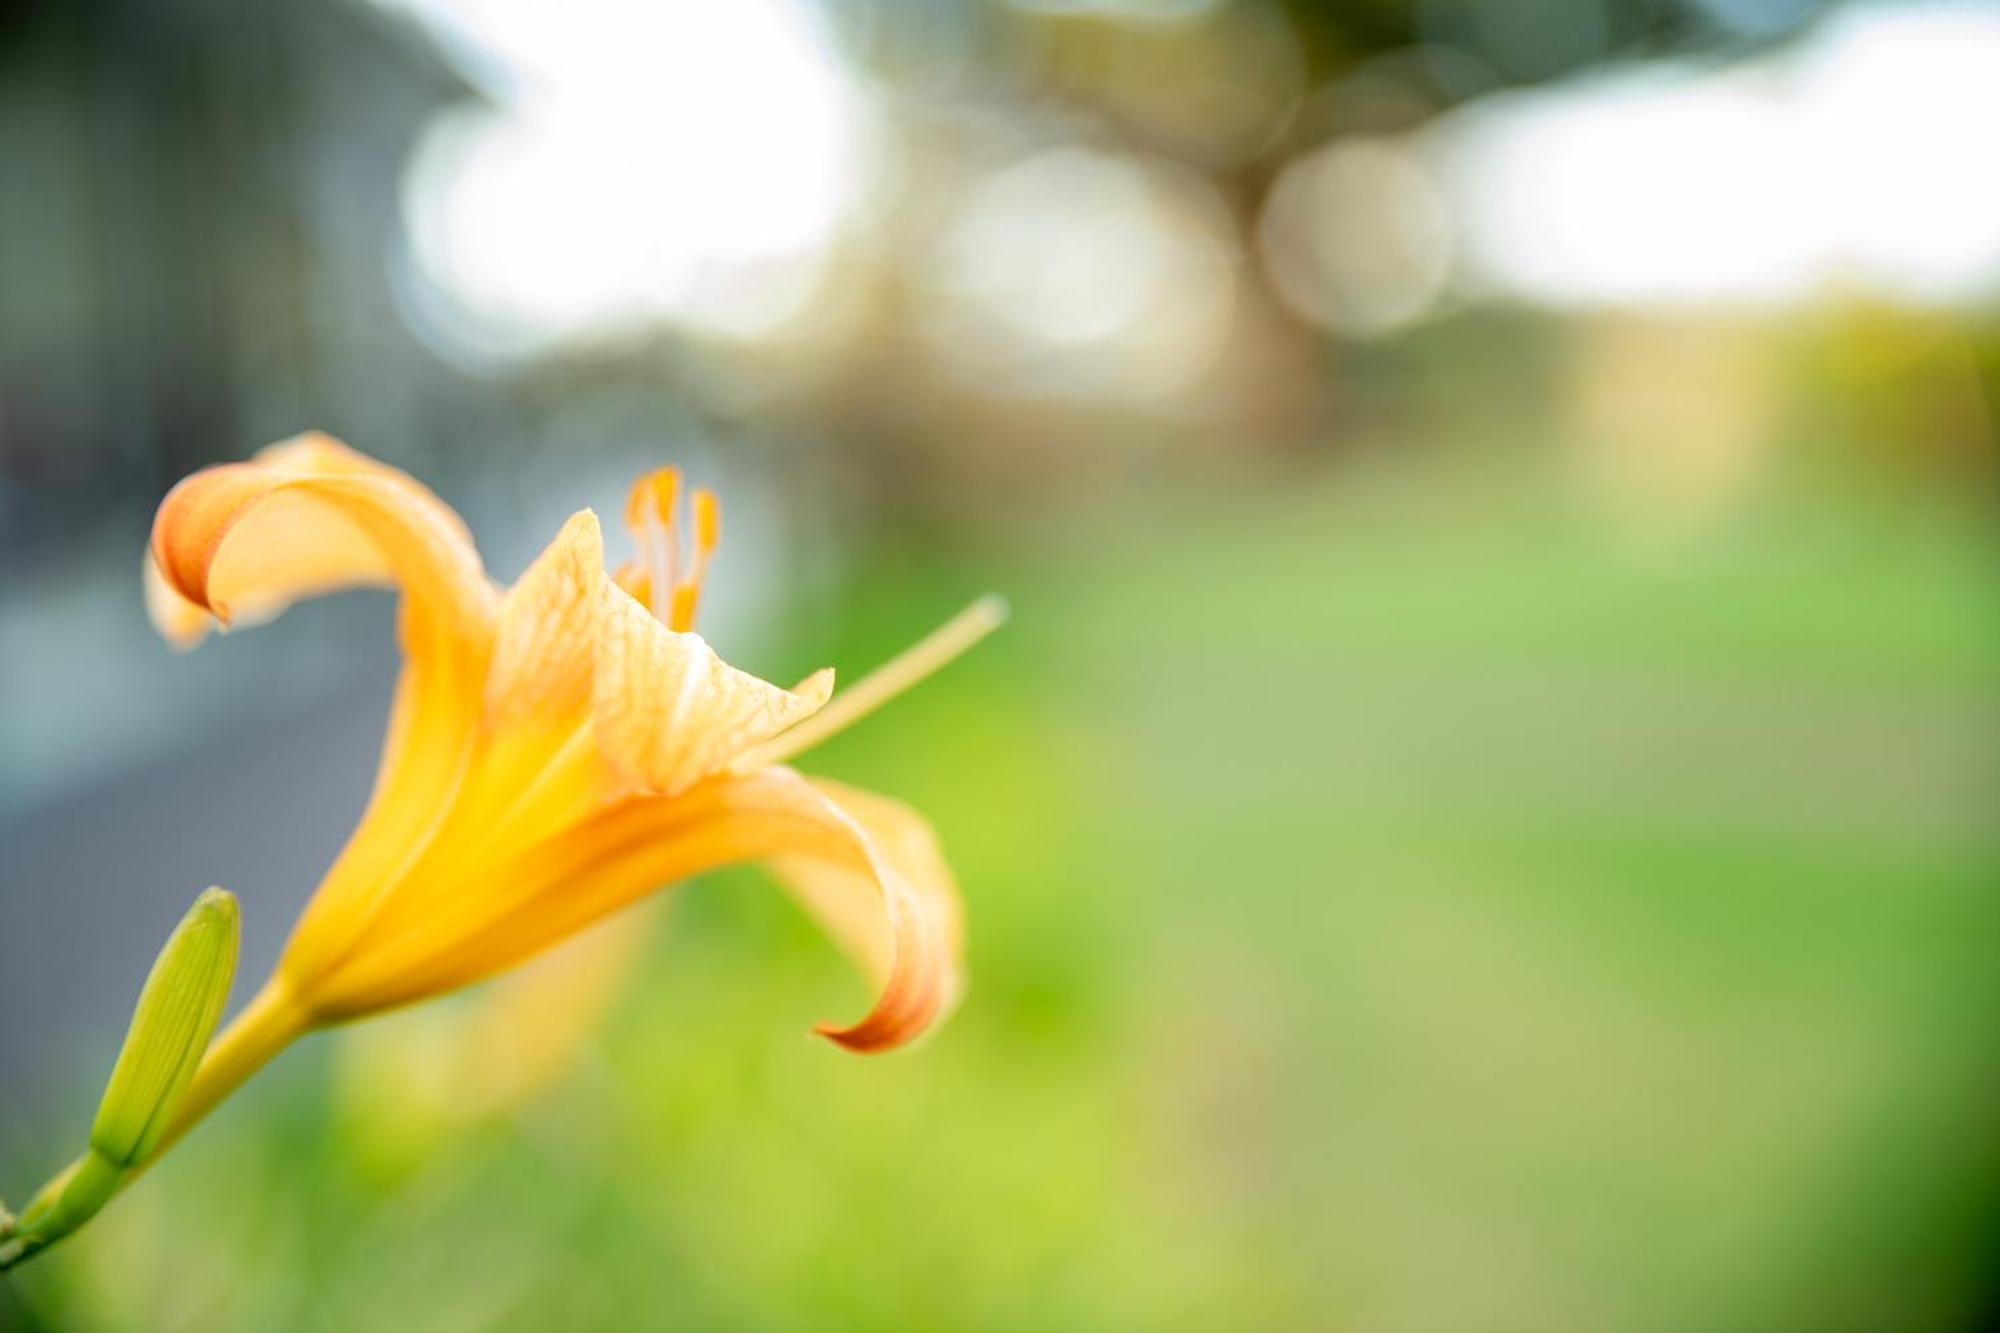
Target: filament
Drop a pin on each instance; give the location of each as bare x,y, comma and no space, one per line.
884,683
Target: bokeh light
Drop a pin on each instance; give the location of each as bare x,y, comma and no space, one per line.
643,162
1358,237
1853,160
1082,271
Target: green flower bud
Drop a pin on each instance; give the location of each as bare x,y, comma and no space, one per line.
177,1013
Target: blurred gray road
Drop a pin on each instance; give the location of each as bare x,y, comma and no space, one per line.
91,884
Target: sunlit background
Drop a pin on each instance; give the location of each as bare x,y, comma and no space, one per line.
1483,819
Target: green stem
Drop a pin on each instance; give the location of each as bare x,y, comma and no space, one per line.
269,1023
72,1197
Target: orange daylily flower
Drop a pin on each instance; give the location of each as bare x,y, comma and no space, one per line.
556,750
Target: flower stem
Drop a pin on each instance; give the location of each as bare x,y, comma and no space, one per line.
266,1026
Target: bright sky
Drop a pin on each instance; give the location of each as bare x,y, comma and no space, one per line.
696,162
1862,157
646,160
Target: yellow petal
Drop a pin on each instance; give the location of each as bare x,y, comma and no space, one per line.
848,901
542,654
416,1080
535,1020
306,517
643,843
180,622
515,758
669,712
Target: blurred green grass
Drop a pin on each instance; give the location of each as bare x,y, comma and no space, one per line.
1392,907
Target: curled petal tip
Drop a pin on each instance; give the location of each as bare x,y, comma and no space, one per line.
865,1038
889,902
898,1018
886,1029
842,1037
182,623
180,553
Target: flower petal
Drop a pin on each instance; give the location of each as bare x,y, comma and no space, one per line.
669,712
542,653
308,516
512,754
850,903
856,849
412,1083
180,622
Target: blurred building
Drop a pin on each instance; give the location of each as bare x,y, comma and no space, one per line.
198,239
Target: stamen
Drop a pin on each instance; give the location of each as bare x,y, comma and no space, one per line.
649,513
707,522
707,533
653,493
884,683
656,547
